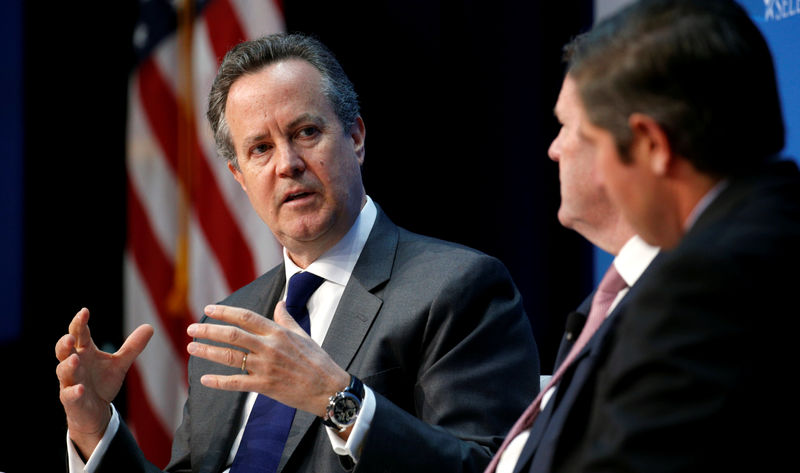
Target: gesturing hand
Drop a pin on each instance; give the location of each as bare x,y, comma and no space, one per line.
90,379
283,362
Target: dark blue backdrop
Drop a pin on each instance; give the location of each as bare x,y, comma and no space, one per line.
11,116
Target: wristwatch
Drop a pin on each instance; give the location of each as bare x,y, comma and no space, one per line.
344,406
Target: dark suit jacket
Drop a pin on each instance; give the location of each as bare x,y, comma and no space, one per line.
689,373
574,325
435,329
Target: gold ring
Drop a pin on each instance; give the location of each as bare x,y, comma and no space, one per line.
244,363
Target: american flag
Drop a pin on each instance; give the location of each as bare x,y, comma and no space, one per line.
192,236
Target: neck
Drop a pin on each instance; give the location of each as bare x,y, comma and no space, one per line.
613,237
692,194
303,253
687,191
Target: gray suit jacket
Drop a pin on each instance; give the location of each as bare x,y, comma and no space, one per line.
436,330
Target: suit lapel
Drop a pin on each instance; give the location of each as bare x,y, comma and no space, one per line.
357,309
571,382
566,343
541,426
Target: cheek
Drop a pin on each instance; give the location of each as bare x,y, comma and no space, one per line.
260,190
343,180
572,179
612,176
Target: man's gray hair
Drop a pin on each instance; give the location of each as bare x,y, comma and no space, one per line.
251,56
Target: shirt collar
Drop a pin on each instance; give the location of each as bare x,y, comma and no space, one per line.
634,257
337,263
703,203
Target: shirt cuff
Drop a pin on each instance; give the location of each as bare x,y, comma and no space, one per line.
352,447
74,459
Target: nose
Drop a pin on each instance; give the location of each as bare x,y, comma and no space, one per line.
289,162
554,151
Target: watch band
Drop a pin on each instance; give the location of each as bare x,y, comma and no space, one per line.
354,389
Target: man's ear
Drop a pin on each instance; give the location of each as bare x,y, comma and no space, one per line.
650,143
358,133
237,174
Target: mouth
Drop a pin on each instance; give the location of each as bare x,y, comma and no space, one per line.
296,196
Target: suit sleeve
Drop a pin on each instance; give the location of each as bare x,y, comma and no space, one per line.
124,455
478,369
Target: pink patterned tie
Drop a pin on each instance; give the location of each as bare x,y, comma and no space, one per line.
606,292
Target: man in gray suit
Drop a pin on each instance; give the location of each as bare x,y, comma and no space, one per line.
434,332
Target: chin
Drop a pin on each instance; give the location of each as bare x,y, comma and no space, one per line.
563,219
567,221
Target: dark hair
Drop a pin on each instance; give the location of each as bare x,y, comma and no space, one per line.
700,68
251,56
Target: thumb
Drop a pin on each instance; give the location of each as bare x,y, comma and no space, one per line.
283,318
134,344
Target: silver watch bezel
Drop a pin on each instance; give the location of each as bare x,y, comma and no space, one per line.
335,409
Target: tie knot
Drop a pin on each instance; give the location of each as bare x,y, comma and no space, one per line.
612,282
301,286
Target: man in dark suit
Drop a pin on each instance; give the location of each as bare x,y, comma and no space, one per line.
685,120
414,343
586,208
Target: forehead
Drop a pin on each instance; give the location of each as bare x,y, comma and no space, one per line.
292,82
569,104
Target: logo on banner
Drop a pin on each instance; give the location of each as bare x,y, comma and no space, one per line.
776,10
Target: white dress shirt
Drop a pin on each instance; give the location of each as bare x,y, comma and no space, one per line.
634,257
335,266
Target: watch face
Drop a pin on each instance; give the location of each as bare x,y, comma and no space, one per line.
346,409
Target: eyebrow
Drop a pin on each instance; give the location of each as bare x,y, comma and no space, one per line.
307,117
254,139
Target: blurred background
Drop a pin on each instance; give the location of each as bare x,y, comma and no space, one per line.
111,197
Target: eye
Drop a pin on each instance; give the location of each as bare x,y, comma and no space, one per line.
260,149
307,132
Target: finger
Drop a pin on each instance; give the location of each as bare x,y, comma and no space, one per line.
65,347
134,345
67,370
237,382
71,394
243,318
221,355
225,334
79,328
283,318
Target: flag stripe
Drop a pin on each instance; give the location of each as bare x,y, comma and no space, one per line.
224,30
221,230
160,357
208,285
259,18
157,272
152,437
